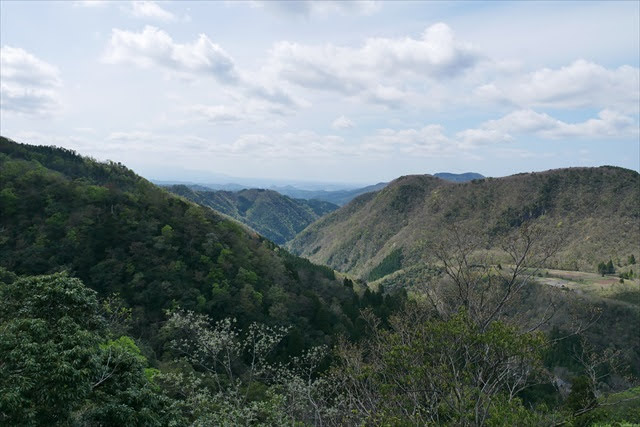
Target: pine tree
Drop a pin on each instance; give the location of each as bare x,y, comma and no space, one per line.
602,268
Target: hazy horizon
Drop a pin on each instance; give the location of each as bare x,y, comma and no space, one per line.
334,92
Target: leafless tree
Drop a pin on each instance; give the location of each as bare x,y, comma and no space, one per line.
485,277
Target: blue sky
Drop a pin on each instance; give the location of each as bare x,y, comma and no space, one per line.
325,91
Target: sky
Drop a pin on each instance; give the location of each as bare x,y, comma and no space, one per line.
352,92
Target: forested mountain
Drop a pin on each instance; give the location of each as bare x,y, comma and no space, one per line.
277,217
338,197
420,229
123,304
596,212
118,233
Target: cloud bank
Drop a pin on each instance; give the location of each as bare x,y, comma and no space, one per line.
28,85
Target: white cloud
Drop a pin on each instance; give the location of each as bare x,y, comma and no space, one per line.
150,9
242,109
579,84
217,113
342,122
382,70
429,140
20,66
272,94
91,3
28,84
151,142
308,8
483,136
301,144
131,136
609,124
155,48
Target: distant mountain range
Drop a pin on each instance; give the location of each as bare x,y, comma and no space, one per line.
279,213
458,177
339,197
275,216
597,210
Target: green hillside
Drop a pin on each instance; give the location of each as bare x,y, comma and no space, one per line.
278,218
124,304
120,234
595,212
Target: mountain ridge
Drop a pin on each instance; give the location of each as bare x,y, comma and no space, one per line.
338,197
124,236
275,216
410,210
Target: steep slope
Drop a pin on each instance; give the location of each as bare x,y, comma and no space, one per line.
120,234
277,217
597,210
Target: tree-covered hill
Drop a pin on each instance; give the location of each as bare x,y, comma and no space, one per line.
121,234
123,304
277,217
596,211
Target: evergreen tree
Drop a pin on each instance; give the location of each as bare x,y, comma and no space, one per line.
602,268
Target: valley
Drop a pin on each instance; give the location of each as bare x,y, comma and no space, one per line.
511,269
319,213
275,216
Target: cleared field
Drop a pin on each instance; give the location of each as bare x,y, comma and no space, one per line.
592,284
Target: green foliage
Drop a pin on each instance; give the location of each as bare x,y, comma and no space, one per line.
414,210
233,384
123,392
602,268
606,268
277,217
411,375
122,235
626,275
617,409
563,349
68,359
6,276
49,333
388,265
57,367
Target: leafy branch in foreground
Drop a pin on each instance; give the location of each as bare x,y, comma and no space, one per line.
430,371
58,365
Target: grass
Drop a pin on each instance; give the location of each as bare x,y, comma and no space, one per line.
592,284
